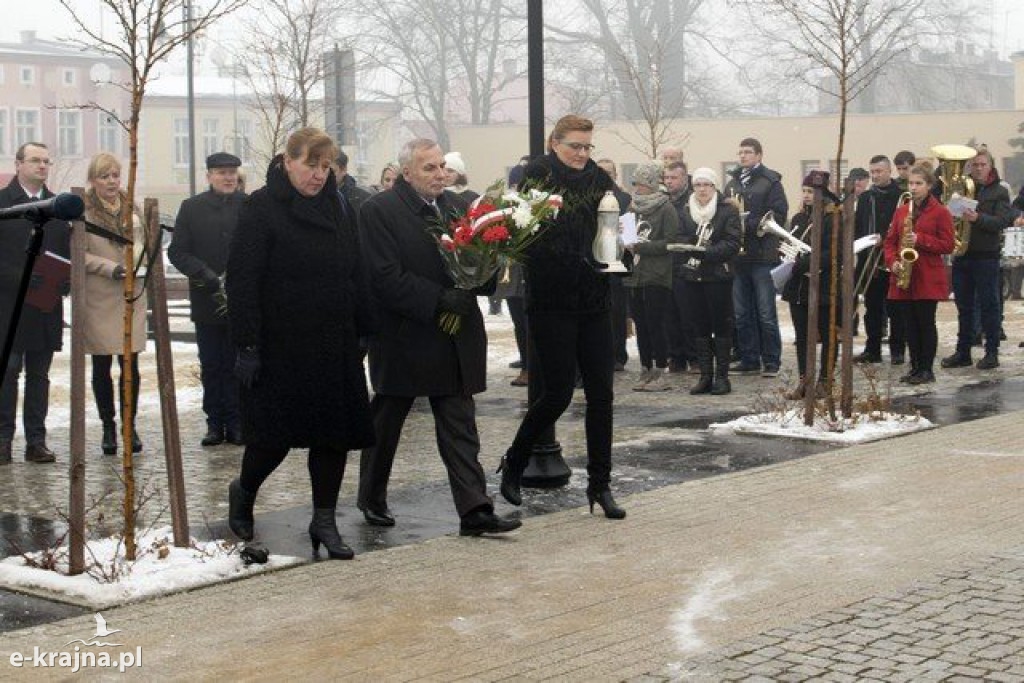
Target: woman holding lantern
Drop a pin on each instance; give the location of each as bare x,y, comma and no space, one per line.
567,303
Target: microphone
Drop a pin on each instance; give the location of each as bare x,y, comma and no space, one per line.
63,207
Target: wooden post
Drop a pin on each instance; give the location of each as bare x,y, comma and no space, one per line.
76,466
813,295
849,306
157,287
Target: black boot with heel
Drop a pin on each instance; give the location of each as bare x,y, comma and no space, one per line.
722,385
604,499
109,443
240,505
706,364
323,529
511,478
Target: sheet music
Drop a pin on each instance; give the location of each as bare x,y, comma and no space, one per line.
957,205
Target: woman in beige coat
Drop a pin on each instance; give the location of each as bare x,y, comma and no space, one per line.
104,294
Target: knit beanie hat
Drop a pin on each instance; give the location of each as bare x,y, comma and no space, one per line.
648,174
453,160
705,174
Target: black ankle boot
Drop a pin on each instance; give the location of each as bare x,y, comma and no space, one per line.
706,363
324,529
604,499
109,443
240,504
722,385
511,479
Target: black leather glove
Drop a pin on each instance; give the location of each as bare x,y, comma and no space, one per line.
209,279
35,281
65,288
459,301
247,367
119,273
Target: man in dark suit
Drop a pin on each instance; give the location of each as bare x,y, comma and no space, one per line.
410,355
202,234
39,332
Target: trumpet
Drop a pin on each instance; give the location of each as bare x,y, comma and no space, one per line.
908,255
790,247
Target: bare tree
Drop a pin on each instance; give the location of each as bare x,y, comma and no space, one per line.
443,57
147,32
283,58
838,47
644,46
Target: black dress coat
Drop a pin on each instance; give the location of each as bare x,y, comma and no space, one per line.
410,355
560,276
37,330
202,234
296,291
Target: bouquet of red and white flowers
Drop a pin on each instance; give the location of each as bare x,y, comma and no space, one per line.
499,227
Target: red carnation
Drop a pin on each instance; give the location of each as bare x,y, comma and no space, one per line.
481,209
498,233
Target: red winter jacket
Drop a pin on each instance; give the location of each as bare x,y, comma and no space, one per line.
933,226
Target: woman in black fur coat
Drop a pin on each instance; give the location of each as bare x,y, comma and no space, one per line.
298,303
567,302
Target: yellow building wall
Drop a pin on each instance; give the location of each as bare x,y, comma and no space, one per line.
789,143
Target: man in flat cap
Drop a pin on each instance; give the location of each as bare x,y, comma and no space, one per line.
202,233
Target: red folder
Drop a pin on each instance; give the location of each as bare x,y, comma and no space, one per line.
55,271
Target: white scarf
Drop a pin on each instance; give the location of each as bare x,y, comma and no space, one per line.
702,215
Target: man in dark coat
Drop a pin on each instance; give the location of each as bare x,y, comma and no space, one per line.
202,235
757,322
410,355
347,186
875,209
39,332
976,276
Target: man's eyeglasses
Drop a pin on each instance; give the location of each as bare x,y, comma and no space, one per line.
36,161
578,146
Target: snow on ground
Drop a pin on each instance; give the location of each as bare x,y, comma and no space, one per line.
160,569
860,428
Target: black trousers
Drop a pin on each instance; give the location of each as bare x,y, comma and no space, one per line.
922,333
650,307
103,386
563,342
619,313
326,471
457,442
800,315
876,310
517,311
708,307
217,370
679,330
37,396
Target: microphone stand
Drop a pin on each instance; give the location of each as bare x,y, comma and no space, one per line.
35,243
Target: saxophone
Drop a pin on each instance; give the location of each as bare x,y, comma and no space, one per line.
908,255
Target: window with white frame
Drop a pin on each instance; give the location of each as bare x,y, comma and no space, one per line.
182,154
27,75
26,126
69,133
4,132
68,77
211,141
108,132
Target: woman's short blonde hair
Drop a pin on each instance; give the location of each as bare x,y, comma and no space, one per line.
102,164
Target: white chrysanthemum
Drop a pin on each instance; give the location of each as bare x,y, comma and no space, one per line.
523,216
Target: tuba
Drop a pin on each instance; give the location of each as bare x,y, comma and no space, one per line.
908,255
952,160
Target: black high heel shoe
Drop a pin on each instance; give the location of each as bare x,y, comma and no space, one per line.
510,481
323,529
604,499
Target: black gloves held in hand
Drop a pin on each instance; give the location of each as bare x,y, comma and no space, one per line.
65,288
459,301
118,272
247,366
209,279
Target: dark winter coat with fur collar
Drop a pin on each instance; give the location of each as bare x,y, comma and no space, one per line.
296,291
